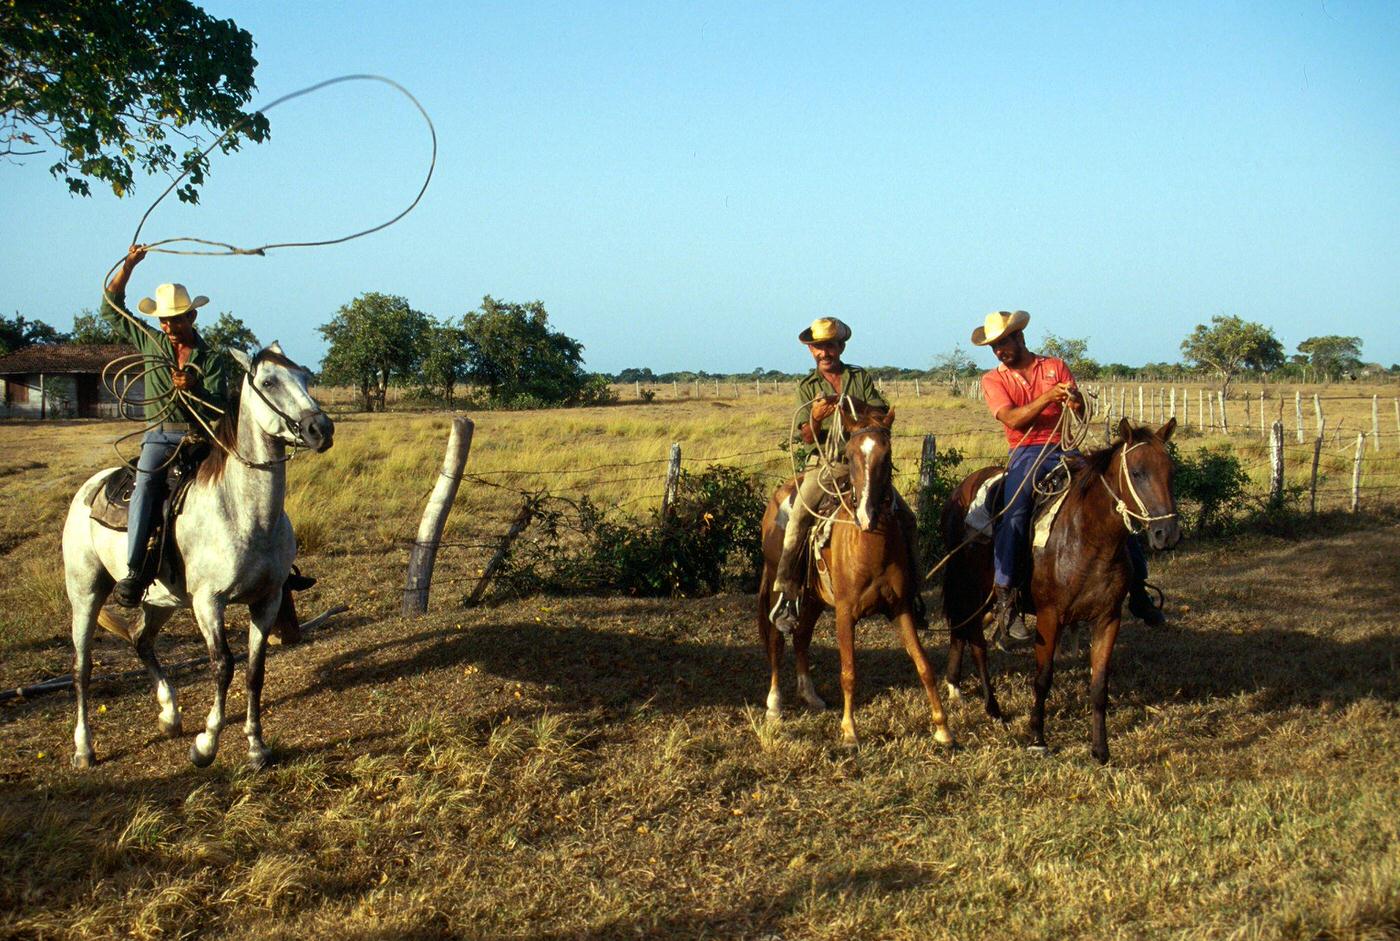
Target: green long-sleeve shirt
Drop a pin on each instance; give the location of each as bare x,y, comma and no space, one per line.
855,382
209,368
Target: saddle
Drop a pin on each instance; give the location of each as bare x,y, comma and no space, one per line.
110,504
982,514
817,537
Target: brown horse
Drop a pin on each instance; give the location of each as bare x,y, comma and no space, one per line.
869,571
1081,574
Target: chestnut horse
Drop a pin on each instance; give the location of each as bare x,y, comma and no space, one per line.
868,563
1081,574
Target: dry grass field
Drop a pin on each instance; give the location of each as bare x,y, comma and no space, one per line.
601,767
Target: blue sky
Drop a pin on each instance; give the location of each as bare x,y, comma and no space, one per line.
688,185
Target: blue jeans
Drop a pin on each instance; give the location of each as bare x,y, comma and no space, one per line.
146,497
1013,528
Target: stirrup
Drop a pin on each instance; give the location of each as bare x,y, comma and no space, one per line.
783,614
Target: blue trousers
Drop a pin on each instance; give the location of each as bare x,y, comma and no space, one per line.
1013,528
148,494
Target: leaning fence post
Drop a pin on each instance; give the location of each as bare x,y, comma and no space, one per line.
673,476
1276,464
522,519
425,546
1317,454
1356,472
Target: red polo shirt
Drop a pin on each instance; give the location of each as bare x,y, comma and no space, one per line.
1002,387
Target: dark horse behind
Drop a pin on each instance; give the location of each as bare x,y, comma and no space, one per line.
1081,574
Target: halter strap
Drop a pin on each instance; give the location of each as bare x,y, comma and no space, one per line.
1128,515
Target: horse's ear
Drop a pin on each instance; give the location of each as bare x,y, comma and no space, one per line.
1165,432
241,358
276,347
887,419
1125,429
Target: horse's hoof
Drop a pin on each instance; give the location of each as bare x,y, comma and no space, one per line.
174,729
945,738
199,759
952,693
84,760
815,704
1100,756
259,760
774,715
1038,751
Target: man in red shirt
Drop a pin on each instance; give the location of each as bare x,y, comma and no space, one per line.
1027,393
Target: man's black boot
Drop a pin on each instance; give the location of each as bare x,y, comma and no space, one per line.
129,591
1144,607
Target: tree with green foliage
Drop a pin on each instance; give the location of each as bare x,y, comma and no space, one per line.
108,84
1231,345
513,353
1074,351
16,333
92,329
444,358
949,366
1332,356
230,332
373,340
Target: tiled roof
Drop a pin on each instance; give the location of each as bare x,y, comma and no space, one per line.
63,358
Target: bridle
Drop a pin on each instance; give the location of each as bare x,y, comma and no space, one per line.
889,493
292,426
1120,505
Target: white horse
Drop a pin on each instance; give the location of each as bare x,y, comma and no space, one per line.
235,541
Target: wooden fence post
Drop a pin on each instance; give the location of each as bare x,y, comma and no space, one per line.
673,476
927,459
1375,423
425,546
919,395
1201,413
1298,410
1317,413
1224,422
1356,472
1276,465
1139,414
1173,402
1317,454
522,519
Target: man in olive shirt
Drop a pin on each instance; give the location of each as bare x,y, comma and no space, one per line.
177,359
826,341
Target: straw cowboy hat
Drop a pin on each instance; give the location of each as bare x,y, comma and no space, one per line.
171,300
825,330
998,324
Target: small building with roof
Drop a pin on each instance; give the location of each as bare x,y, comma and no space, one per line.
61,380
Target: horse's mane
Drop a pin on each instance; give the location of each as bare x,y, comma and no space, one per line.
225,439
1095,463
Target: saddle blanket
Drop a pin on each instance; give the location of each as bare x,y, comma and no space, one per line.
981,518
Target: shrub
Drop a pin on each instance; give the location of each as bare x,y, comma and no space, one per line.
944,478
1210,487
711,538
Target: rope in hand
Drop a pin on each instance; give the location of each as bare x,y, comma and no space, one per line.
121,383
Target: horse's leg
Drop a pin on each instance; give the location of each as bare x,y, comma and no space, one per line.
209,613
910,637
978,642
262,615
152,619
801,641
86,601
952,671
1047,623
772,640
1100,651
846,642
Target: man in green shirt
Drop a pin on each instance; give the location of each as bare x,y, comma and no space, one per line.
826,341
177,359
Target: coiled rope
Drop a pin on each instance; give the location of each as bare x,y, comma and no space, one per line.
121,382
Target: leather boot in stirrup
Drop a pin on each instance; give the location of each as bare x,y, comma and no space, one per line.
1144,607
1008,625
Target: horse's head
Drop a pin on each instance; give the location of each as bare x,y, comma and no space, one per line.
868,456
1143,480
279,404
